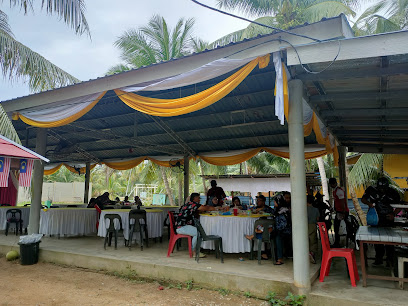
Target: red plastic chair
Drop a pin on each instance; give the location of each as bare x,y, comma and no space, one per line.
99,216
174,237
328,255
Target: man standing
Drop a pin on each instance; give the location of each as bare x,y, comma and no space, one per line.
381,198
340,206
217,192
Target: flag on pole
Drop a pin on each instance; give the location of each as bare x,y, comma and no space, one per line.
26,168
4,170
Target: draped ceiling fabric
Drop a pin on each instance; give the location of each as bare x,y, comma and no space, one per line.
214,158
62,113
67,111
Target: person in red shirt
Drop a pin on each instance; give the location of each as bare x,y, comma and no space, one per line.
340,206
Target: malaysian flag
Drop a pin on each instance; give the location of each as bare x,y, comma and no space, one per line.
26,168
4,170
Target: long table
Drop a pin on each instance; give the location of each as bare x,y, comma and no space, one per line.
231,228
25,212
68,221
154,218
379,235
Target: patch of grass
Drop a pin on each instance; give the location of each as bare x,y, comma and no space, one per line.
295,299
291,299
189,284
223,291
248,294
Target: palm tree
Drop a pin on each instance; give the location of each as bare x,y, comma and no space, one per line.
18,62
383,16
282,14
154,43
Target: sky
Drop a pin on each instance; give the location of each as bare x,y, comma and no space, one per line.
87,58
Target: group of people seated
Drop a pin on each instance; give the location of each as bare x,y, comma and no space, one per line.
104,202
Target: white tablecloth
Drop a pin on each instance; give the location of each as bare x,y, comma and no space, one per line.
25,211
68,221
154,220
231,229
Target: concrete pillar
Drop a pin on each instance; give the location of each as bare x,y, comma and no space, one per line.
342,167
186,177
298,189
87,179
37,182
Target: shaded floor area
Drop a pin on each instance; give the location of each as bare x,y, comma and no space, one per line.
234,274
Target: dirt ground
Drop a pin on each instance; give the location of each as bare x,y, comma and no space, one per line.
48,284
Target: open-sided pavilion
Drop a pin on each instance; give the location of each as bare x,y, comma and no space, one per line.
358,97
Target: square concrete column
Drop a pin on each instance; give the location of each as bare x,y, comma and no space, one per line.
37,182
300,237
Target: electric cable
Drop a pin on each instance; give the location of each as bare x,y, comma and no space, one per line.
254,22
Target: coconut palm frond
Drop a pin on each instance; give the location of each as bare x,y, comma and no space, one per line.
6,127
71,11
18,61
250,7
118,69
229,38
4,25
319,10
365,170
198,45
254,30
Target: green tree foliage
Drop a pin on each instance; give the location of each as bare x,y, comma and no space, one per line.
282,14
156,42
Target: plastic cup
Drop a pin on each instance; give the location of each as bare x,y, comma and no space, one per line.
235,211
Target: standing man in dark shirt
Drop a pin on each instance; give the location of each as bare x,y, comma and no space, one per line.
381,198
217,192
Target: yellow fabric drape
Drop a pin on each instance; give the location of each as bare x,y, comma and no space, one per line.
57,123
230,160
308,155
166,163
52,170
72,169
177,107
125,165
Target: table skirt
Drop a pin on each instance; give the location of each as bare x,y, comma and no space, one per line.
68,221
25,215
154,223
231,229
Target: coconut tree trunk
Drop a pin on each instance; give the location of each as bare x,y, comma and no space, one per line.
356,203
166,185
202,177
322,171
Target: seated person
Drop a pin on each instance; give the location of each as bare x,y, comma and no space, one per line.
215,191
92,203
117,200
312,217
104,200
184,222
236,203
126,201
137,202
261,205
215,202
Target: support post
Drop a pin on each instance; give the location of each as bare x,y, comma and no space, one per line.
342,167
300,239
37,183
87,179
186,177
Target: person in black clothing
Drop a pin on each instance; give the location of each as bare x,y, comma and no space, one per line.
217,192
381,197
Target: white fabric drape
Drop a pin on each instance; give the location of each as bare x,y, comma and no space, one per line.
201,74
154,223
279,99
68,221
231,229
59,110
25,215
